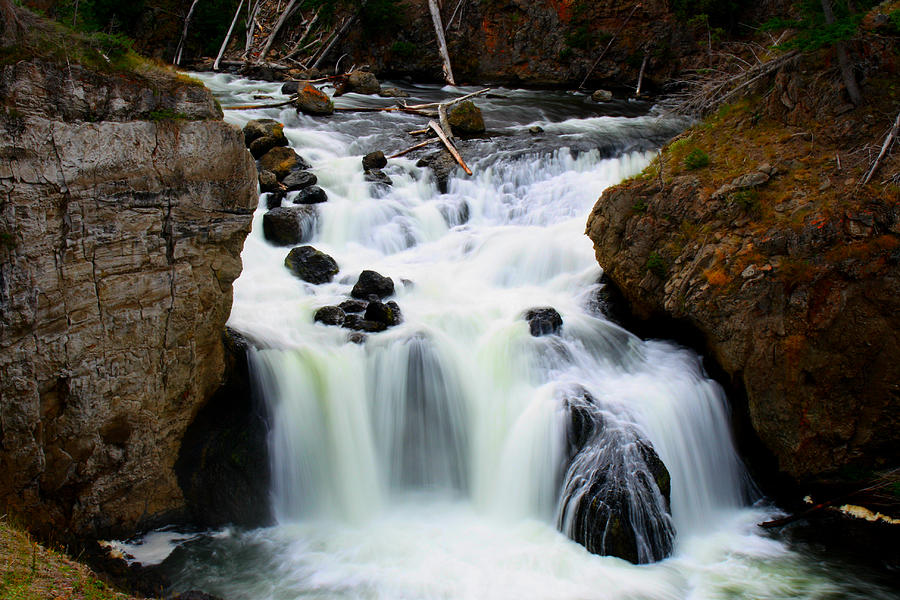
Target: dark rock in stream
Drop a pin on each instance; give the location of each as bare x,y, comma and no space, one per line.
297,180
268,182
282,161
311,195
374,160
465,119
363,82
370,282
353,306
543,321
289,225
223,463
388,314
616,490
359,323
379,178
442,165
311,265
290,88
314,102
330,315
260,128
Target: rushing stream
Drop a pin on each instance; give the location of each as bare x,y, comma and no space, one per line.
425,462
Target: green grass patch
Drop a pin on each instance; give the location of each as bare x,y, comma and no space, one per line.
696,159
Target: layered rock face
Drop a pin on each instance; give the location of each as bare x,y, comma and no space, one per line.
788,269
124,205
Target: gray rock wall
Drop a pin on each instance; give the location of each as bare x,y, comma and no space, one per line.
120,238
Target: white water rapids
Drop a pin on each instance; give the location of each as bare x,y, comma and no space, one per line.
423,464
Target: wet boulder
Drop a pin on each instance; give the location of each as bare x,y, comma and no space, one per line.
259,128
379,178
442,165
363,82
388,313
290,88
372,283
543,321
290,225
268,182
314,102
616,490
601,96
353,306
311,195
311,265
374,160
281,161
330,315
465,119
261,145
273,200
297,180
360,323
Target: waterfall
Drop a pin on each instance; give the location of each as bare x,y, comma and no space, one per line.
448,456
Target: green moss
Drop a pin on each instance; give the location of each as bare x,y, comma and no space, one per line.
656,265
166,114
747,200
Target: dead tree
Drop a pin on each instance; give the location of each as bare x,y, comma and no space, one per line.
187,22
442,41
278,24
840,50
237,13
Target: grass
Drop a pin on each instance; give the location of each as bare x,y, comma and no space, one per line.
32,572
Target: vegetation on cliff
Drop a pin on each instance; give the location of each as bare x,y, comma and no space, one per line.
756,228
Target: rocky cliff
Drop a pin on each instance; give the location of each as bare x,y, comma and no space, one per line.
124,205
755,231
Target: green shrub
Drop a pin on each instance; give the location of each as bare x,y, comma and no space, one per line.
113,45
656,265
696,159
747,200
404,49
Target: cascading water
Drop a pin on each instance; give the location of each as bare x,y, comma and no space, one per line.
438,458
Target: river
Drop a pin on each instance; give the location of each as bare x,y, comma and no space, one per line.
425,462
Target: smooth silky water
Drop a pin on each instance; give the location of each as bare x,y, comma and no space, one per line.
425,463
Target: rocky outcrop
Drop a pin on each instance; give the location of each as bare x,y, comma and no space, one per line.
124,204
787,268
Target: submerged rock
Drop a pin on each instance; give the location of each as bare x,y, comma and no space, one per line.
392,92
290,225
370,282
543,321
314,102
442,165
311,265
616,490
465,119
378,177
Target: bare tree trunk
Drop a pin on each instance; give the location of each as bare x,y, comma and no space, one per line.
637,91
442,42
303,37
334,40
187,22
602,54
843,59
237,13
892,134
284,16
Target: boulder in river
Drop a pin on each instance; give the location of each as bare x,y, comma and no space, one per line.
374,160
311,265
465,119
353,306
281,161
543,321
388,313
314,102
360,323
602,96
259,128
311,195
379,177
261,145
268,182
297,180
290,225
330,315
290,88
370,282
363,82
442,165
392,92
616,490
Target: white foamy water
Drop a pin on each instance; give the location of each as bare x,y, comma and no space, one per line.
427,462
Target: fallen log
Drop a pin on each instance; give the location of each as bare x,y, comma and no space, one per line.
892,134
427,142
302,39
445,123
449,102
450,147
259,106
